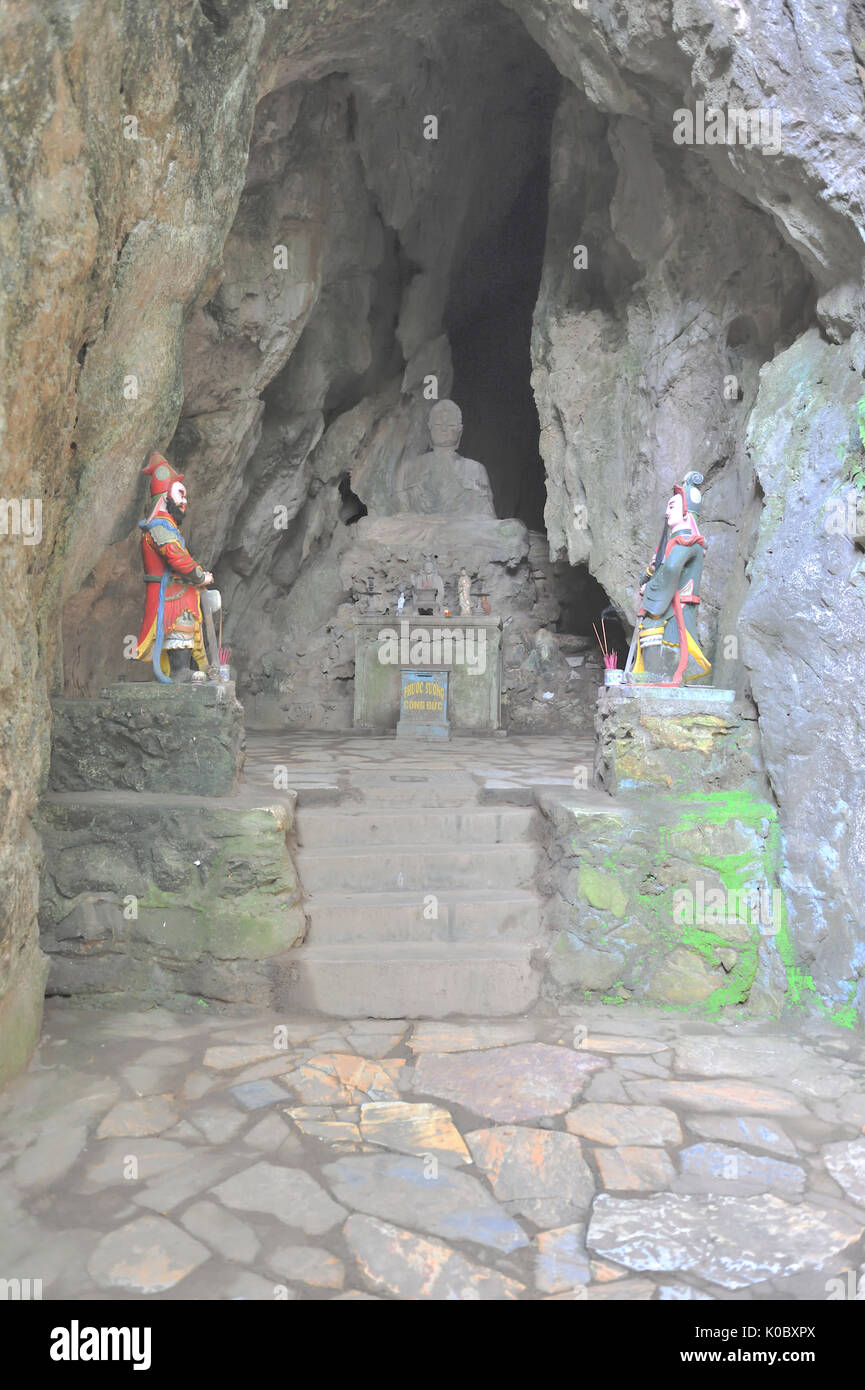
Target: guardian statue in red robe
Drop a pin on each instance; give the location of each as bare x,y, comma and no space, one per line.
171,635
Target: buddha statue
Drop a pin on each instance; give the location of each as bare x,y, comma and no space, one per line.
442,481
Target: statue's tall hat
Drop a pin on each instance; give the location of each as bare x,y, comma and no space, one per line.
689,491
162,475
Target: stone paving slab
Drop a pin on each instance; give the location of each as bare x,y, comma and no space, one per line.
507,1083
527,1159
411,1267
536,1173
724,1168
733,1241
289,1194
148,1256
625,1124
562,1262
412,1193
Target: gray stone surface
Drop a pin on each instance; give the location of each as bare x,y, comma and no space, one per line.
520,1082
306,1264
218,1123
305,1202
562,1262
724,1168
166,1192
846,1163
108,1161
745,1129
624,1124
224,1233
149,738
254,1095
733,1241
805,444
51,1156
410,1191
161,897
289,1194
722,1095
634,1168
146,1256
411,1267
539,1174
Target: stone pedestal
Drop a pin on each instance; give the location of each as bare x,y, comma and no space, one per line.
161,883
668,891
149,738
467,648
167,899
674,740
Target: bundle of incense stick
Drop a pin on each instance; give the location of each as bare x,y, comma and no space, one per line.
611,659
224,656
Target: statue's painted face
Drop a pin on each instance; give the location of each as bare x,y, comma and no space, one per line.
177,493
675,511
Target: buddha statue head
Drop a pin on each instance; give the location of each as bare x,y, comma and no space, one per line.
445,425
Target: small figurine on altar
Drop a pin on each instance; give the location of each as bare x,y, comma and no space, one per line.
428,589
463,591
667,651
171,635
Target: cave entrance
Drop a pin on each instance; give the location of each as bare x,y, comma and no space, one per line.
488,319
420,257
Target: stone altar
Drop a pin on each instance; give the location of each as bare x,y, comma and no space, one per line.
476,554
468,648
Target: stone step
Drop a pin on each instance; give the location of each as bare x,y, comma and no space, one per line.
390,868
415,788
462,915
433,980
440,825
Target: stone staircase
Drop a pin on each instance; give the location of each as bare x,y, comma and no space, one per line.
419,899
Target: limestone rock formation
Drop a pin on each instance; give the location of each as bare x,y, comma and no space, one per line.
255,237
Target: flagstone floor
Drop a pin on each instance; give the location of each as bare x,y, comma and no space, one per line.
316,761
602,1154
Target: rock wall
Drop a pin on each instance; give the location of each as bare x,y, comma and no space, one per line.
635,354
156,158
125,138
802,622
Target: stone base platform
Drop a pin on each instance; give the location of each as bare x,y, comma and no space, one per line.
167,898
674,740
149,738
